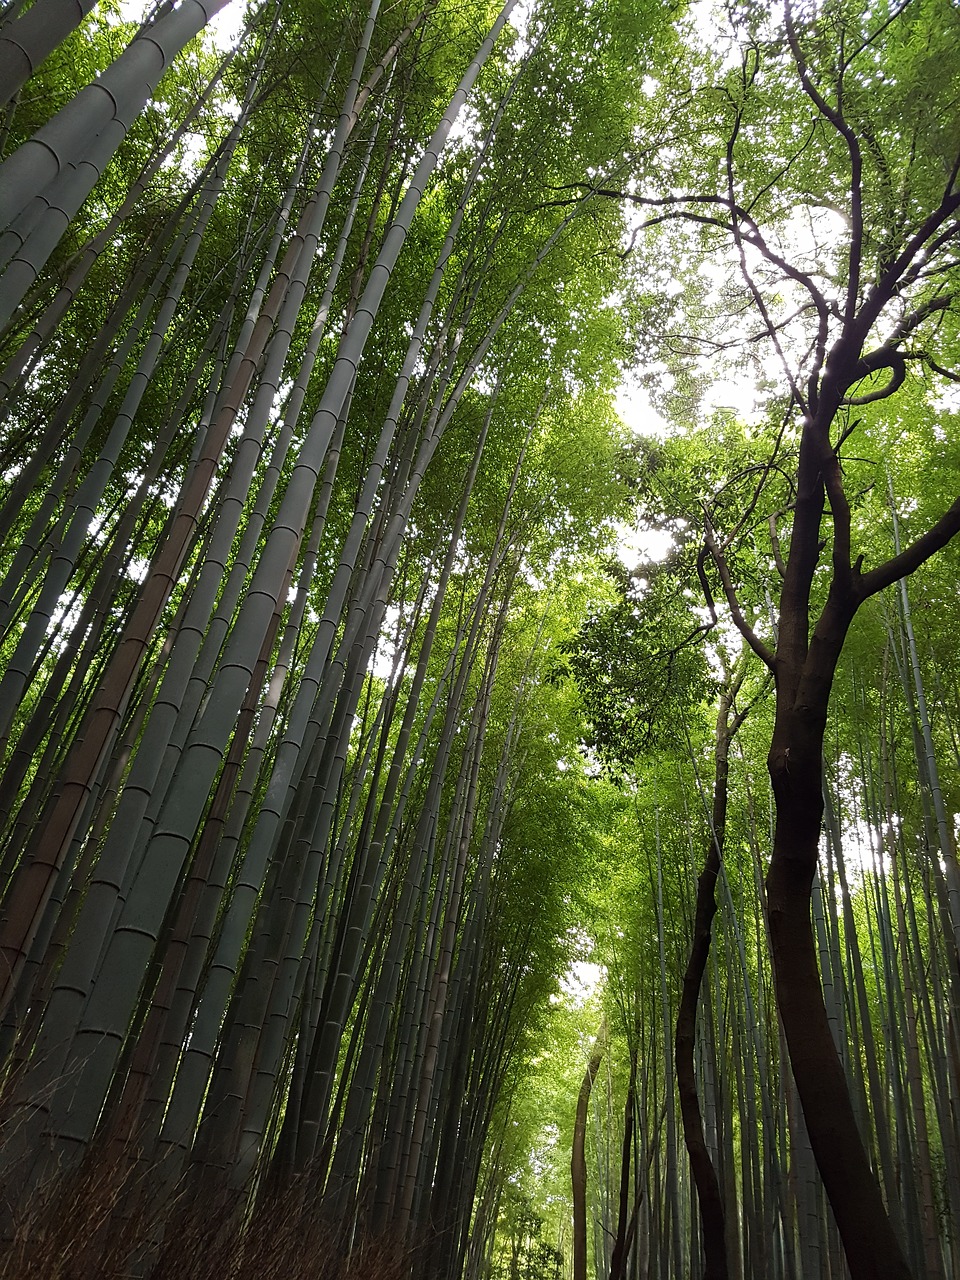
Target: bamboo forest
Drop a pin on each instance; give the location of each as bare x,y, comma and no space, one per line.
479,666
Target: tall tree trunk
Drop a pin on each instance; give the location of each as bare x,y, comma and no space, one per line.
705,1177
796,770
578,1161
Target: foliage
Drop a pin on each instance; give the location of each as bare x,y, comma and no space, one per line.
337,741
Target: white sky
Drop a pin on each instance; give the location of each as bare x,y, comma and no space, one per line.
635,545
225,27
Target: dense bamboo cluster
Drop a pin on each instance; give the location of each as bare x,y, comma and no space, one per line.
887,950
285,491
330,731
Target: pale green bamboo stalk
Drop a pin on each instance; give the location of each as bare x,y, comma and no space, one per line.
211,1002
944,833
102,720
114,99
17,578
300,736
444,960
82,510
81,263
27,40
344,982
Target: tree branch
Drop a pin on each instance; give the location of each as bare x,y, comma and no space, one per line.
888,356
758,241
834,115
735,213
723,569
895,362
938,368
840,513
896,274
740,716
875,35
913,320
775,544
912,557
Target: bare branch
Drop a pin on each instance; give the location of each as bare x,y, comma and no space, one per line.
775,544
913,320
785,168
840,512
849,371
705,585
898,367
757,239
834,115
954,171
938,368
888,356
741,715
771,328
823,202
924,239
875,35
762,470
736,214
900,566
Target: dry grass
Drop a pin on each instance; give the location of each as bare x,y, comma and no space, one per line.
103,1223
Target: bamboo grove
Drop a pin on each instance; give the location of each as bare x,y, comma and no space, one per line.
333,732
695,808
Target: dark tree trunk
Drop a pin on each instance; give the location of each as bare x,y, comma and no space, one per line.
872,1249
578,1162
626,1221
804,668
709,1195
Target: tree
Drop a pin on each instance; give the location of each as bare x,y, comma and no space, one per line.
308,457
288,526
851,319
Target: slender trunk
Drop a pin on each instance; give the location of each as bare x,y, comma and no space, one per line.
873,1251
578,1161
804,665
705,1177
111,101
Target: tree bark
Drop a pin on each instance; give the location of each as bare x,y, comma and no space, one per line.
872,1249
704,1175
578,1161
